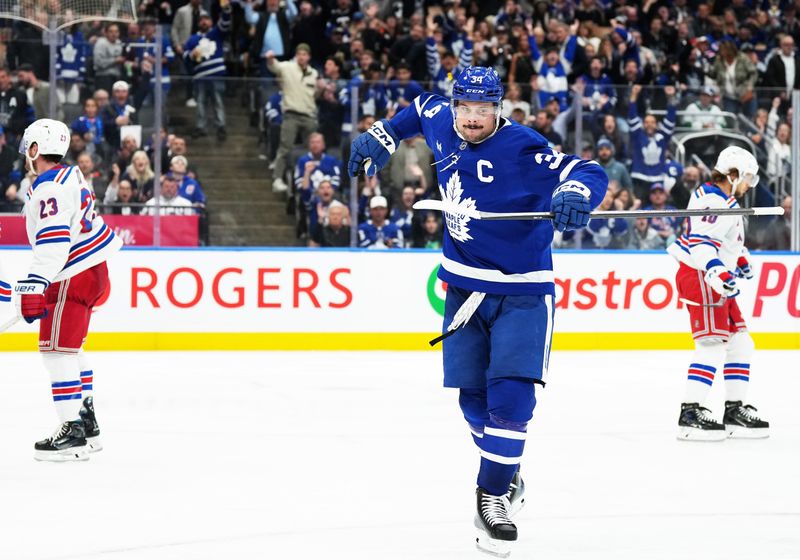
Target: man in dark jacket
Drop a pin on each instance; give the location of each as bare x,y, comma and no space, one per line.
783,70
411,48
14,111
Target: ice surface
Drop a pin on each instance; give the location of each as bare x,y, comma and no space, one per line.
229,456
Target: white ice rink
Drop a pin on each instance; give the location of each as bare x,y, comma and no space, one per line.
230,456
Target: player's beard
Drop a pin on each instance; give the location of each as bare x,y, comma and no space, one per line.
474,132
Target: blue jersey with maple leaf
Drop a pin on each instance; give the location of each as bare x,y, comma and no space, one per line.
513,170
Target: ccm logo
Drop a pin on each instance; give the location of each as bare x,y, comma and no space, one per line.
471,90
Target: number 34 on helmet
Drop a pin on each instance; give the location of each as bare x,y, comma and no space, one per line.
478,84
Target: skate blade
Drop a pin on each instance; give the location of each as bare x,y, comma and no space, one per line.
94,444
695,434
493,547
488,545
65,455
740,432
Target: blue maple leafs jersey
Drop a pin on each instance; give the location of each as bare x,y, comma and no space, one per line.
512,171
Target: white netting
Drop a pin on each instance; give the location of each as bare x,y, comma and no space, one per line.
67,12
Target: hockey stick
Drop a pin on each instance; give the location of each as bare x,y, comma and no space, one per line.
8,324
442,206
694,303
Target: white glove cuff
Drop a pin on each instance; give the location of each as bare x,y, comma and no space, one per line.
378,132
573,186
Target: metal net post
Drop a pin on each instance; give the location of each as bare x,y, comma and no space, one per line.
158,95
354,104
51,36
794,223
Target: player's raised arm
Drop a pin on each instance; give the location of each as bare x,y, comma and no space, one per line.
372,149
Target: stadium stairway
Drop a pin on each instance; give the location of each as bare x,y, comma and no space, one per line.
243,210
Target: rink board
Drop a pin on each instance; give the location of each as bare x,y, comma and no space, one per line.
283,299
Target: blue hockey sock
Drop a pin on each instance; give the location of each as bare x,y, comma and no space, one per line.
509,407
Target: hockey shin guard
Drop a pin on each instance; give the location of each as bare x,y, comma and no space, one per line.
708,354
65,382
738,353
87,375
510,404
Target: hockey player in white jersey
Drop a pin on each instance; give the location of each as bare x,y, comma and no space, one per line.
713,259
66,278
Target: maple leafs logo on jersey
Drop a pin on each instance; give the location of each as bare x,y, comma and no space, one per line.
207,48
457,212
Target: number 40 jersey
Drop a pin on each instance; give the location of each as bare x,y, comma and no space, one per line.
65,232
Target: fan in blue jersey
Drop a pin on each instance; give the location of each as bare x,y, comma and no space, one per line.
649,142
145,53
443,69
500,295
553,69
71,65
402,89
204,51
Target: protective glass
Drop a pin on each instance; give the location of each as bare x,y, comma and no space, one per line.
750,178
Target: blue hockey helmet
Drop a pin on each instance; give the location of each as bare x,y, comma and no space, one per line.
478,83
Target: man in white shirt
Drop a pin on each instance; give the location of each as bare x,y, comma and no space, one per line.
703,113
171,203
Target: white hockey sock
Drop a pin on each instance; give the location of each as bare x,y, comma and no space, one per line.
65,381
737,366
708,354
87,375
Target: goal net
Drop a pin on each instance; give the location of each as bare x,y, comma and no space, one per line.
67,12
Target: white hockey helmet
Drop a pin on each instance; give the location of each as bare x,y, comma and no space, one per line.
52,138
734,157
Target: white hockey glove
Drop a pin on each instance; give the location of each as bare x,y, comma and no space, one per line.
720,279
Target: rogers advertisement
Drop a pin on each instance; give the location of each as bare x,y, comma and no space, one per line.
307,291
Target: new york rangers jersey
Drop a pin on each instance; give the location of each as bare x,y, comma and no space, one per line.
511,171
711,237
66,234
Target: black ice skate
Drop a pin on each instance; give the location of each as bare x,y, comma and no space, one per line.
495,530
741,421
516,494
696,424
68,443
91,426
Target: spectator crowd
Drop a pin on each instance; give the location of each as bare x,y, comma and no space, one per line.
620,81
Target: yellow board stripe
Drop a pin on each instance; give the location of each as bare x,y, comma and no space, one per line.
373,341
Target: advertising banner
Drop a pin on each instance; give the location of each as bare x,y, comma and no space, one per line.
176,231
329,299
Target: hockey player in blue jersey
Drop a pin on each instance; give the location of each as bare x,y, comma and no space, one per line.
500,295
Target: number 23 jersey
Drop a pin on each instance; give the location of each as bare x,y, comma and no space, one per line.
64,230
